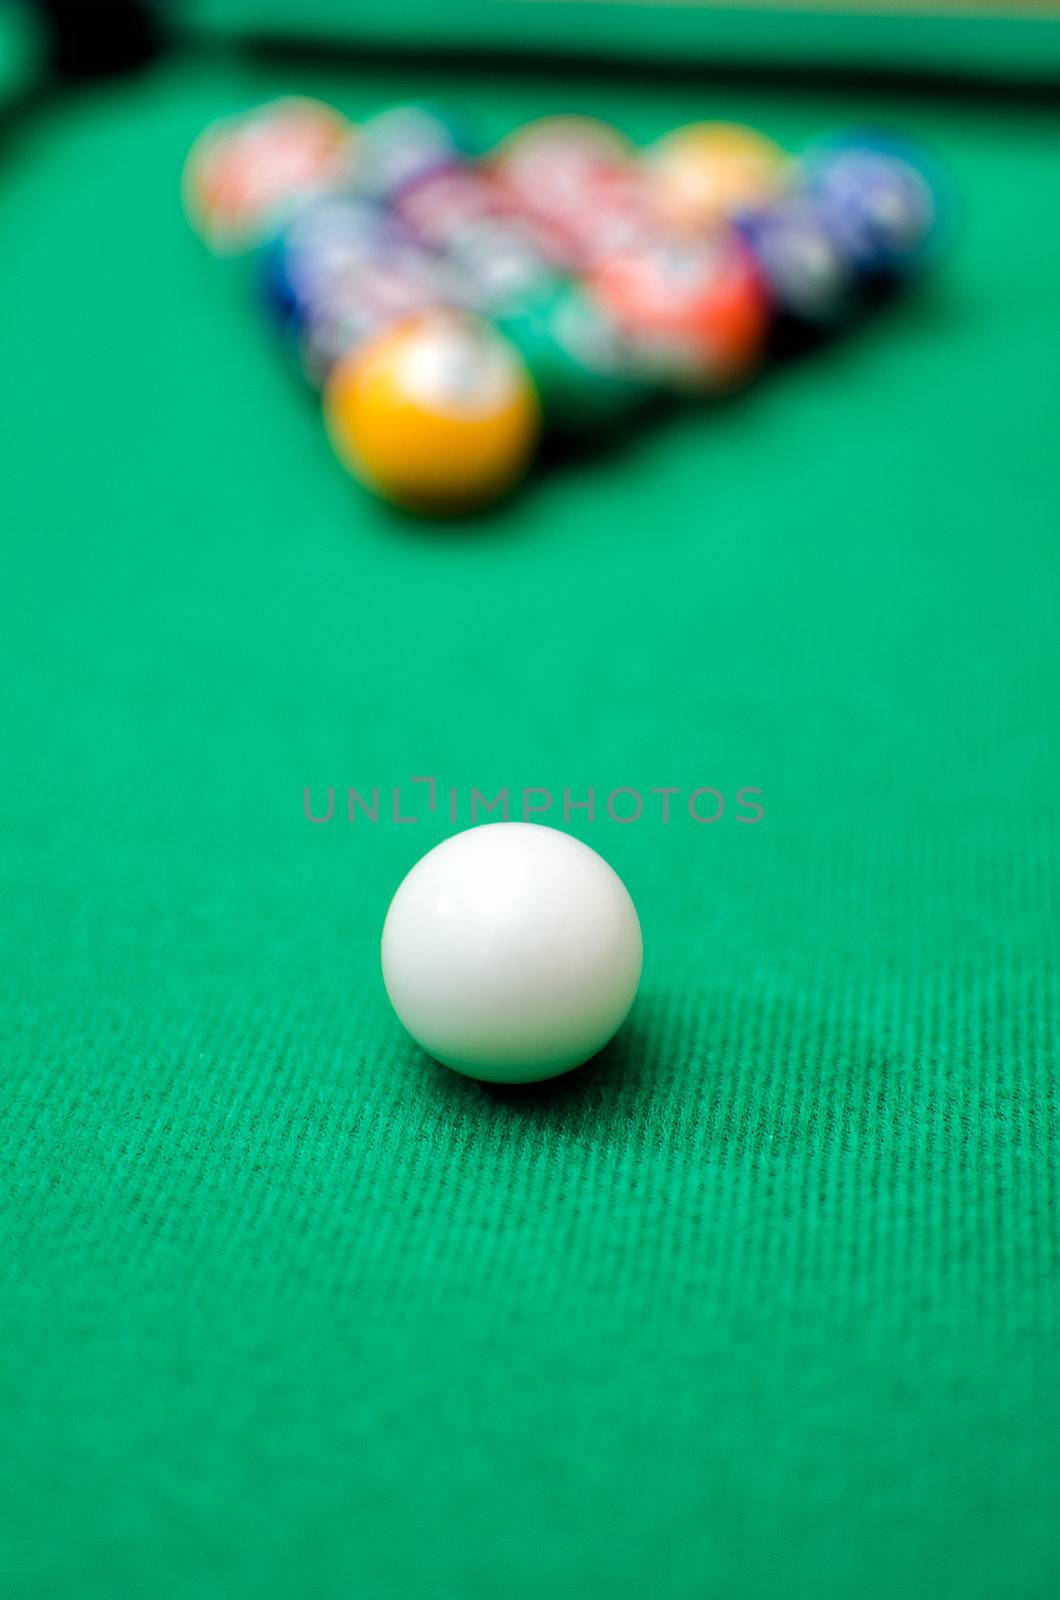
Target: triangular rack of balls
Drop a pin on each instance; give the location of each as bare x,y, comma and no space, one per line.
449,303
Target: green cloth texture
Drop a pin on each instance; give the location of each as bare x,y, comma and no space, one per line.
764,1302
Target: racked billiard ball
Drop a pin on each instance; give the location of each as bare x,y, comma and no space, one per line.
512,952
404,145
446,199
497,262
577,179
705,171
883,201
609,214
695,312
390,285
552,161
436,414
328,239
584,371
810,280
246,174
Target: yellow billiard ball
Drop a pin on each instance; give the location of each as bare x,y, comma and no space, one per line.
436,414
704,171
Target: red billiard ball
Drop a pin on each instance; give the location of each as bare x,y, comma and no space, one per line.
696,312
246,174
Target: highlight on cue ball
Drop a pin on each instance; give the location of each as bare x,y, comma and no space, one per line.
512,952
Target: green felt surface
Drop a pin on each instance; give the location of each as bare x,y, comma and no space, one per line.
765,1301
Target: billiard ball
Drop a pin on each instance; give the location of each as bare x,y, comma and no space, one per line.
694,312
584,371
810,280
447,199
368,295
573,176
402,146
246,174
881,200
327,240
511,952
436,414
610,213
576,178
551,161
343,321
705,171
498,262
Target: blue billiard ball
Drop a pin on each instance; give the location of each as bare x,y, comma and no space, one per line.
884,201
325,241
810,279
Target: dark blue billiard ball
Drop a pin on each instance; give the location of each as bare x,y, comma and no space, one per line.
810,279
883,201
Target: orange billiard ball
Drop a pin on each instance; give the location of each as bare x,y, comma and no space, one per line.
436,414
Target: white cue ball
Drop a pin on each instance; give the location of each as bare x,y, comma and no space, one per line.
511,952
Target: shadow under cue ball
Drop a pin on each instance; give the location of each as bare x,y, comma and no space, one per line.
512,952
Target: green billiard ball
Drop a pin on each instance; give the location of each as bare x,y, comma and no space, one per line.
581,366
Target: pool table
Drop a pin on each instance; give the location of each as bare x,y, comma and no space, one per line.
764,1301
